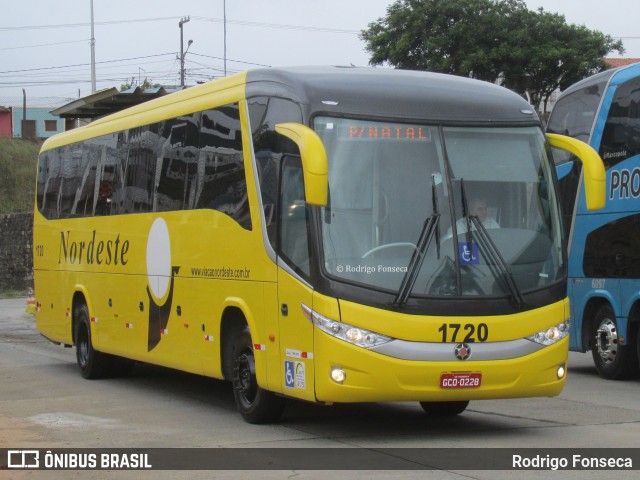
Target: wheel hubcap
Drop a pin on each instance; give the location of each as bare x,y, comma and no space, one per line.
607,340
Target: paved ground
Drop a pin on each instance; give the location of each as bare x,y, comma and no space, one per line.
44,403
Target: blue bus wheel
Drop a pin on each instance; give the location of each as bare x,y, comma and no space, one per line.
613,360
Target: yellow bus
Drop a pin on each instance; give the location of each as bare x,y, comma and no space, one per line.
324,234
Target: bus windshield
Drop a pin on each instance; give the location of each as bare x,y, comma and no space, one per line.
439,211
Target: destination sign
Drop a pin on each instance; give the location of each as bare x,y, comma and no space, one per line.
386,132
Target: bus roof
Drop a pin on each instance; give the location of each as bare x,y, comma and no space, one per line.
614,75
379,92
386,92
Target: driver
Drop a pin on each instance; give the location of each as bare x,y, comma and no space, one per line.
477,208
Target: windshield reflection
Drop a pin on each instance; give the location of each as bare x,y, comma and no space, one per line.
496,229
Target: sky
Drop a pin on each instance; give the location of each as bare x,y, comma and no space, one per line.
45,44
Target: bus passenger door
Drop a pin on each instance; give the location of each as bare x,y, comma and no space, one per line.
296,331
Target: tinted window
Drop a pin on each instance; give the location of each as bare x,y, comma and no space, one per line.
613,250
139,175
294,216
193,161
269,146
223,184
178,154
85,204
621,134
573,116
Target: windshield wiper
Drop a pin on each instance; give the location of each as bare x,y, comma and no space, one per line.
491,249
429,228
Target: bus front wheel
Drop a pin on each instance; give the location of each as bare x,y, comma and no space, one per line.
255,404
613,361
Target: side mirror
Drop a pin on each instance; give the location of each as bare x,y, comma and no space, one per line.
315,167
594,176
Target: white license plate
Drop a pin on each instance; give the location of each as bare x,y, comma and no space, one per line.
460,380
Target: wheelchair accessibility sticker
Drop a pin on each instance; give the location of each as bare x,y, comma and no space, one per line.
294,374
468,253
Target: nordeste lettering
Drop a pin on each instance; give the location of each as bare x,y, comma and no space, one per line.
95,251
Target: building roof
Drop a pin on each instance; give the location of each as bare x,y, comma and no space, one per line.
110,100
620,62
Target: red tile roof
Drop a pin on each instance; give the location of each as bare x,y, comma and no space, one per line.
620,62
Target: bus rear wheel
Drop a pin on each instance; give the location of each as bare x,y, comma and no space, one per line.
255,404
613,361
92,363
444,409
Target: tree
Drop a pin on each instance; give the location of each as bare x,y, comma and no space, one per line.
550,54
499,41
134,83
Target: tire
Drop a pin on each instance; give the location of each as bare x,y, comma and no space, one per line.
255,404
92,364
444,409
612,360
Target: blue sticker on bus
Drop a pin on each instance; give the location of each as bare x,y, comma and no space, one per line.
289,374
468,253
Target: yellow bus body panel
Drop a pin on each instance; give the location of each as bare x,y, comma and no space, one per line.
371,377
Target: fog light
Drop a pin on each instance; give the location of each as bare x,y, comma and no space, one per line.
561,372
338,375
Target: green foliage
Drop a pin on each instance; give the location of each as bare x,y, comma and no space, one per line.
18,163
134,83
499,41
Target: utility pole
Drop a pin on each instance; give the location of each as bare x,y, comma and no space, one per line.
224,12
24,113
93,54
182,52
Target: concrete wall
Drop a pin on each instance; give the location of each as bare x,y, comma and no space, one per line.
16,256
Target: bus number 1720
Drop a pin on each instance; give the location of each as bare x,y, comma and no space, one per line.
452,332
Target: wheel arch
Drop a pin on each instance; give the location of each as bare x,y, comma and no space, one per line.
633,323
236,317
80,296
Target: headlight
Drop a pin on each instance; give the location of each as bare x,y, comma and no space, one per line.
551,335
354,335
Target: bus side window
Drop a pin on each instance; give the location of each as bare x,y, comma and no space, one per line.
622,129
269,148
177,149
294,214
221,178
137,191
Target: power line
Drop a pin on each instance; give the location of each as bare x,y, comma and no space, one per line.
84,64
247,23
84,24
229,60
43,45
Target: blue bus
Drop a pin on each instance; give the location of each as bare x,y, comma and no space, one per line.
604,246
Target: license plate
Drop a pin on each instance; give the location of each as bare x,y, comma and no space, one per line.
460,380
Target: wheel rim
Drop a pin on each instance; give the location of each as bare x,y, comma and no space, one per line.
607,340
245,378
